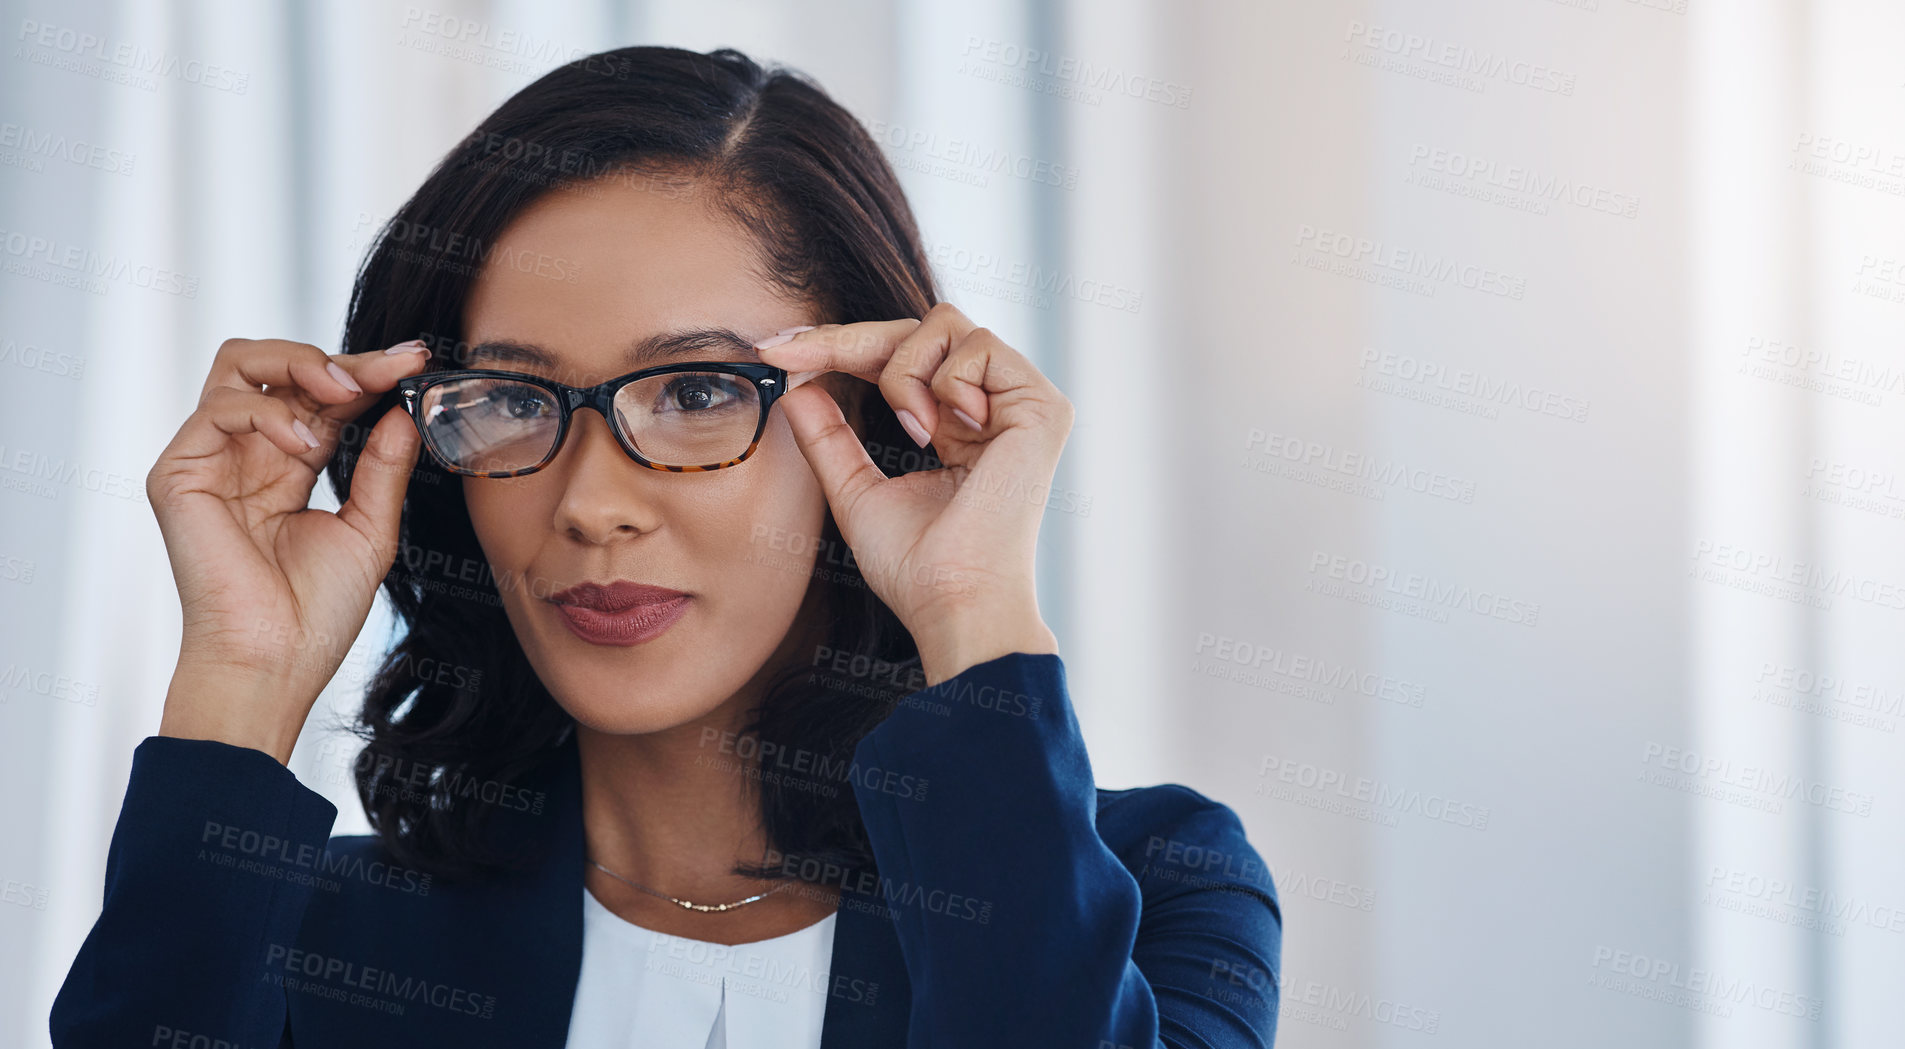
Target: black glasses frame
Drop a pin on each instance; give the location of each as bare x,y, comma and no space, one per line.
770,381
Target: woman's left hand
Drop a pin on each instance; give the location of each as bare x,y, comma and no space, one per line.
950,550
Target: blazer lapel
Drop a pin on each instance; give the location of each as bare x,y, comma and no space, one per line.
869,995
530,927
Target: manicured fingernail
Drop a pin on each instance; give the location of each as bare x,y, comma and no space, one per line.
344,378
913,429
304,432
413,346
772,341
967,419
795,330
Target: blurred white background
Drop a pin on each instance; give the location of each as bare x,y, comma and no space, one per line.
1486,477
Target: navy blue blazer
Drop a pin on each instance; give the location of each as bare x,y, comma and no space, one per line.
1014,904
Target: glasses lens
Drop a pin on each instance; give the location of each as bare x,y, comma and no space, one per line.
490,425
690,418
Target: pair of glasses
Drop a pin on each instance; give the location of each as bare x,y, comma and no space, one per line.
683,418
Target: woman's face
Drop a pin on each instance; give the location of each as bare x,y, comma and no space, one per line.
583,276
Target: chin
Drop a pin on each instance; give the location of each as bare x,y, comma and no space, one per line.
623,701
631,708
624,721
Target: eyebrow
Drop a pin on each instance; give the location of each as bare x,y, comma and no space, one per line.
655,349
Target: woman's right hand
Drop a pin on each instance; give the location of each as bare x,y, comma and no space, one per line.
273,592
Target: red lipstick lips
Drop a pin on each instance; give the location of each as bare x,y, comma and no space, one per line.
620,613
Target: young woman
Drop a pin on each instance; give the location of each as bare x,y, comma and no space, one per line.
724,714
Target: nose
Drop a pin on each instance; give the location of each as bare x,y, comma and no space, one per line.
606,495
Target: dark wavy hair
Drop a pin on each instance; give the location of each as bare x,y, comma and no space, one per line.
456,702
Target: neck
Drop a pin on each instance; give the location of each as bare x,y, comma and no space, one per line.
675,811
669,811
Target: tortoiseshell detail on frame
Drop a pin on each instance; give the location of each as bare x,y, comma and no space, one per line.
768,380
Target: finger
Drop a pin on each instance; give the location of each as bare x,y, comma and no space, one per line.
979,367
863,349
380,481
906,381
228,412
859,349
376,373
253,364
832,449
901,356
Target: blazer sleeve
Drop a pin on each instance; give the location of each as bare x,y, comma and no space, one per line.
1018,924
203,877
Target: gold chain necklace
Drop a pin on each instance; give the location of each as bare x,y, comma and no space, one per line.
705,907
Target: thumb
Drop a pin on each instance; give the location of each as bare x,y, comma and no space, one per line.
831,447
380,481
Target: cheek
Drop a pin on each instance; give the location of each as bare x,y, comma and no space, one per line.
767,518
509,518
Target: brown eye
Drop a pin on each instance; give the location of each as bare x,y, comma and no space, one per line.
701,392
521,402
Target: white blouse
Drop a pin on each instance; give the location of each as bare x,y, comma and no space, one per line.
641,988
